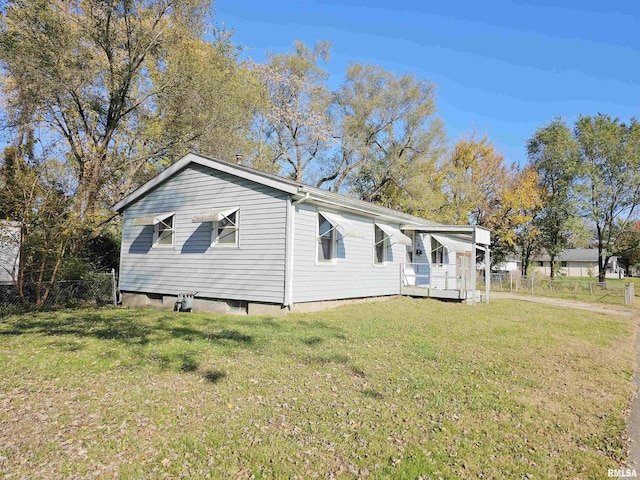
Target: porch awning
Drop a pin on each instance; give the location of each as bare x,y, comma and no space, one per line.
453,244
394,234
214,215
152,219
347,228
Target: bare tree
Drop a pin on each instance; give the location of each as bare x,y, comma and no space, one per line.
294,132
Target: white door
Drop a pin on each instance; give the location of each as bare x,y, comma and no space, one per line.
463,270
422,259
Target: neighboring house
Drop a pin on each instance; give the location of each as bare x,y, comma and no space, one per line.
10,240
577,262
246,241
510,264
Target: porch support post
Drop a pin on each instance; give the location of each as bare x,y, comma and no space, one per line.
487,272
472,267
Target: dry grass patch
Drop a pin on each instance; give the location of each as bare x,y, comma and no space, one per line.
399,389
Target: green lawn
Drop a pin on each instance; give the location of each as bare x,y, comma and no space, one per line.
396,389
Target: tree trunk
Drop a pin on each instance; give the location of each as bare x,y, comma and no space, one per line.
602,264
553,264
525,257
21,267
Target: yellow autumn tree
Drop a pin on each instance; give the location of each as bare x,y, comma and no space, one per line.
474,178
482,190
515,226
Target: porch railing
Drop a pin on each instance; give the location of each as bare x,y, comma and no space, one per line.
433,276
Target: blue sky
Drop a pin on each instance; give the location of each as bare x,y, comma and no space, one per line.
503,68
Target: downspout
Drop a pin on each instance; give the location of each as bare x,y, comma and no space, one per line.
289,246
301,200
123,213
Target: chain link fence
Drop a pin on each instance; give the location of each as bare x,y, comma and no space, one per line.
612,291
95,289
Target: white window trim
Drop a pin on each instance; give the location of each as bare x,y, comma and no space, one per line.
334,243
156,233
444,254
410,249
214,234
385,242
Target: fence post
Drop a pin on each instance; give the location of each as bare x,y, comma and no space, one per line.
626,294
629,294
113,287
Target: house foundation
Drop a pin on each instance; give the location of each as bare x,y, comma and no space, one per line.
238,307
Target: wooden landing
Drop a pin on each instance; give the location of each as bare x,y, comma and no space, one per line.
461,295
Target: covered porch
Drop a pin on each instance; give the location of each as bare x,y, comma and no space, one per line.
441,263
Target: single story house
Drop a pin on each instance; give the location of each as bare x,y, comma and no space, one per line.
10,240
241,240
578,262
510,264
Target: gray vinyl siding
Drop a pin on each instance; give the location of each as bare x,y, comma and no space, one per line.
253,271
353,275
435,276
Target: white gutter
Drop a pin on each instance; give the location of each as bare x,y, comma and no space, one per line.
289,246
441,228
347,205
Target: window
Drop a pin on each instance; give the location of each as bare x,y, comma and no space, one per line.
381,240
541,264
412,236
226,229
163,232
437,252
326,240
563,264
